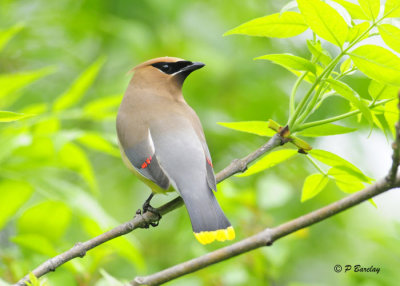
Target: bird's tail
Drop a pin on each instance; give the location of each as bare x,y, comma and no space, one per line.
209,223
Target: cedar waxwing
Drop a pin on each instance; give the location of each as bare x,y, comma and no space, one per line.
162,142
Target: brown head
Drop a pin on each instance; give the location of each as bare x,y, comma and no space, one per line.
165,73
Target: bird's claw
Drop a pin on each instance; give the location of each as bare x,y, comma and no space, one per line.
148,208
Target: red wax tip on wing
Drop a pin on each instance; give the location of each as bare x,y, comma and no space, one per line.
146,162
209,162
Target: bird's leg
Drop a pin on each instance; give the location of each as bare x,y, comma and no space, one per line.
146,205
148,208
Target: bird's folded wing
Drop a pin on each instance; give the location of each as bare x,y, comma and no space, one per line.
212,183
143,158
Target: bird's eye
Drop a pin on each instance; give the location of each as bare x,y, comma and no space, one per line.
166,68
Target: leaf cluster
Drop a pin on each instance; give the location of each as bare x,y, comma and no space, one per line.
345,30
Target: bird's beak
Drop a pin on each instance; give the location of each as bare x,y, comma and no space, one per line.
183,73
194,66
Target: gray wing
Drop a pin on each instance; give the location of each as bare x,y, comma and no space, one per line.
144,159
195,121
180,152
210,169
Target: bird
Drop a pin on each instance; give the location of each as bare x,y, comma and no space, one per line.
162,141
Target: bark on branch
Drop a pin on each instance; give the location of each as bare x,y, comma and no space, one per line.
142,220
396,149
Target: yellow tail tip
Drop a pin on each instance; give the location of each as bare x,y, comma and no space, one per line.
206,237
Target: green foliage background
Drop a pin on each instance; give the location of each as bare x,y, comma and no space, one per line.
63,70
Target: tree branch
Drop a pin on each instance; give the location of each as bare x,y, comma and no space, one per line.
391,177
265,237
143,220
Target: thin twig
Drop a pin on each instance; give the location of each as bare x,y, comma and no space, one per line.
143,220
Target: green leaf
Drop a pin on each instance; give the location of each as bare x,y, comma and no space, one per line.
47,127
75,158
13,194
357,30
377,63
11,83
391,36
373,203
381,122
7,35
97,142
354,10
345,181
345,66
42,148
324,20
354,172
255,127
313,185
285,25
268,161
33,281
343,89
334,160
104,107
35,242
36,108
79,87
9,116
370,8
49,219
318,52
352,96
392,8
310,78
326,130
392,115
290,62
380,91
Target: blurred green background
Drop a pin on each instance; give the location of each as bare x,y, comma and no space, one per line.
62,179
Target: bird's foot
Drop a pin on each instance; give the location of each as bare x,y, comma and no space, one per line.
148,208
146,205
